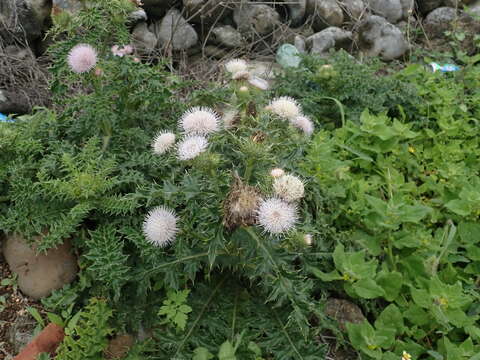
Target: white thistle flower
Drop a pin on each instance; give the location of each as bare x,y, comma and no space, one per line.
236,65
160,226
191,147
200,121
258,83
277,172
303,123
163,141
276,216
289,188
285,107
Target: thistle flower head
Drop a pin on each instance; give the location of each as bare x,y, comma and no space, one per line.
303,123
200,121
276,216
285,107
277,172
289,187
160,226
258,83
191,147
163,141
82,58
236,65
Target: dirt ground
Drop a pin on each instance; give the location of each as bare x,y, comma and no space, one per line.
14,316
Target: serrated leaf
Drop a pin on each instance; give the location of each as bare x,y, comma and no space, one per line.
368,289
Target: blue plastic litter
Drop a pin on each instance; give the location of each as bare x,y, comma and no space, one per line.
444,68
5,118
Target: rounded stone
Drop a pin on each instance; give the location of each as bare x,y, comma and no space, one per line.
40,274
324,13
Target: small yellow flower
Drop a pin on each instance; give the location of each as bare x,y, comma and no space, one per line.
346,277
442,301
406,356
411,149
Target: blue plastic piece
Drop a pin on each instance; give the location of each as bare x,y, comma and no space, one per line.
444,68
5,118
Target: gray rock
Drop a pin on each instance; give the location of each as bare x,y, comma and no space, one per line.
425,6
20,332
206,11
296,11
439,21
389,9
144,40
69,6
300,44
175,32
227,36
344,311
157,8
14,102
353,9
23,18
332,37
458,3
254,19
39,275
324,13
377,37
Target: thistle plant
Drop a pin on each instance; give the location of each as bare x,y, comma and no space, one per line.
164,193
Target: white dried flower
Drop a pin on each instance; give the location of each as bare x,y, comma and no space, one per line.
303,123
200,121
191,147
289,188
277,172
276,216
285,107
243,89
163,141
236,65
308,238
229,118
160,226
258,83
241,75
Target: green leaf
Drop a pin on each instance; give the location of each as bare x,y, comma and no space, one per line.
331,276
421,297
36,315
54,318
226,352
202,353
368,289
391,318
469,232
391,283
416,315
460,207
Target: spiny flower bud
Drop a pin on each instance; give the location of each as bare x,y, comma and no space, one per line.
236,65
